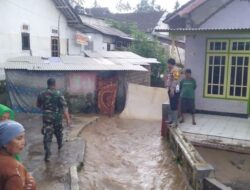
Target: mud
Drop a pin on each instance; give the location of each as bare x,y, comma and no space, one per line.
232,169
128,154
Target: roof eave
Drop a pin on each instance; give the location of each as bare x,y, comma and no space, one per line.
186,31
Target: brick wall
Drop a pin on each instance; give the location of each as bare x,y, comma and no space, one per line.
141,78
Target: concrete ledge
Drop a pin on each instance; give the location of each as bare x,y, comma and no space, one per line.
79,124
73,135
213,184
73,178
223,143
195,168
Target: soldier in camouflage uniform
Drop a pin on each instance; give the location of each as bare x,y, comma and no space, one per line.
53,105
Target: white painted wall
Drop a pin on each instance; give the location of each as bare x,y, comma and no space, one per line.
234,15
41,16
100,41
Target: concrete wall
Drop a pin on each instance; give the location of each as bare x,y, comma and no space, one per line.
41,17
234,15
81,83
100,42
196,59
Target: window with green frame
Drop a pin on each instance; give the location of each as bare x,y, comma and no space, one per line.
227,68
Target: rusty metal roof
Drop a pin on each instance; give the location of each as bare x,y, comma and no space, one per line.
68,63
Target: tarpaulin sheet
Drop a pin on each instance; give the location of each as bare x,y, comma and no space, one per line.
144,102
24,86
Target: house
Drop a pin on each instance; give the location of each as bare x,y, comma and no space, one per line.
103,37
39,29
217,36
146,22
49,28
81,78
50,38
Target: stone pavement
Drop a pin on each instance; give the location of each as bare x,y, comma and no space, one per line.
229,133
56,174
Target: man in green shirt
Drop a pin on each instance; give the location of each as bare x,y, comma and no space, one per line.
187,96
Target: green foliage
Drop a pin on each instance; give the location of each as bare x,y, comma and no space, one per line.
147,6
123,7
96,5
146,46
177,5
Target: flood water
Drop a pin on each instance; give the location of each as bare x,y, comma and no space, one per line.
128,155
231,168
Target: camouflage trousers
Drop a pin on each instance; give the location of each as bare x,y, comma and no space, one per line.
49,129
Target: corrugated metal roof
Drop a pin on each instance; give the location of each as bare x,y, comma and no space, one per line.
68,11
203,30
2,74
122,57
68,63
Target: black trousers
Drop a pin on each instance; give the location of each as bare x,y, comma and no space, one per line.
174,101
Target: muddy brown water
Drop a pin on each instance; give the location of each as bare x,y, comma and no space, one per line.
127,155
231,168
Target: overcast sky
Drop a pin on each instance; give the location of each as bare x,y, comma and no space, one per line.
111,4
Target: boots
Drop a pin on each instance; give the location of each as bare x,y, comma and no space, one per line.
47,156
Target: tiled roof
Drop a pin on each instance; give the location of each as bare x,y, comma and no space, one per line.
145,21
103,27
185,9
78,22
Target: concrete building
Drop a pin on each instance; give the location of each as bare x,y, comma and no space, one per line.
34,28
50,28
103,37
217,50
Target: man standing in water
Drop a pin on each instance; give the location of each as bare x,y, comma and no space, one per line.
53,105
172,83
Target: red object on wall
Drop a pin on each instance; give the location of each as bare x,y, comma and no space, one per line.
106,95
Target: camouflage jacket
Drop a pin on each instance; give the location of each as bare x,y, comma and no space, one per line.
52,103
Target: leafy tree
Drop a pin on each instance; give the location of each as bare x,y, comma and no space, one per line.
145,46
177,5
148,6
144,6
123,7
96,5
